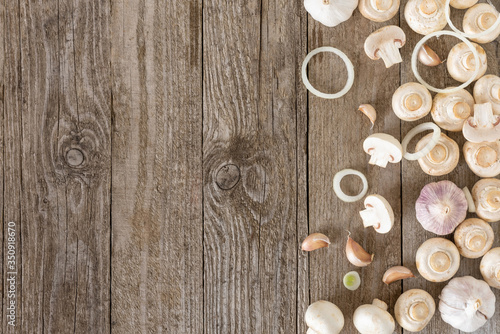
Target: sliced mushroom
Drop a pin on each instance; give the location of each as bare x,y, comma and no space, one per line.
385,43
323,317
378,10
487,89
461,63
411,101
425,16
483,158
473,238
483,126
383,148
486,195
414,309
462,4
437,259
442,159
480,18
490,267
378,213
451,110
373,318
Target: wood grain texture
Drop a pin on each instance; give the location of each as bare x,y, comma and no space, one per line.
157,263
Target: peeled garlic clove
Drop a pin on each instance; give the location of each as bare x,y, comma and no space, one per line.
414,309
356,254
396,273
490,267
428,57
315,241
370,112
437,259
473,237
440,207
466,303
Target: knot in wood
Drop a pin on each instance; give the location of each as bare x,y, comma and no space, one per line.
227,176
74,157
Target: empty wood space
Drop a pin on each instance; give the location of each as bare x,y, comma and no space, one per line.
162,162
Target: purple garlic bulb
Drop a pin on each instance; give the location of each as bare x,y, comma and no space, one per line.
441,207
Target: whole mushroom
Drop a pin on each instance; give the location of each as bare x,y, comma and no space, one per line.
480,18
411,101
483,158
330,12
442,159
425,16
486,195
437,259
490,267
378,10
484,126
385,43
383,148
473,238
323,317
461,63
373,318
462,4
377,213
414,309
451,110
487,89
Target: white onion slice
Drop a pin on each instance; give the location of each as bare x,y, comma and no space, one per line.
470,201
414,58
347,62
479,34
338,191
427,148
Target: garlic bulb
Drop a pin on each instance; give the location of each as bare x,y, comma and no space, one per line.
473,237
330,12
466,303
490,267
440,207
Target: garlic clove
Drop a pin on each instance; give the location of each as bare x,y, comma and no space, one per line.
428,57
356,254
315,241
370,112
396,273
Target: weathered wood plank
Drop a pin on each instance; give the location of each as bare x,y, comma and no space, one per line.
157,275
252,96
336,134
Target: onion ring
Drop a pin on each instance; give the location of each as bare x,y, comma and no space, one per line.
338,191
347,62
479,34
427,148
470,201
414,58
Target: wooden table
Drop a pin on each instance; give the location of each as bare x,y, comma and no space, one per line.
162,162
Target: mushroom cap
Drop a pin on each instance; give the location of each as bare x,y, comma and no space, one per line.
486,195
331,13
484,126
451,110
378,10
324,317
381,211
487,89
425,16
466,303
384,35
480,18
383,148
437,259
462,4
473,238
461,63
483,158
414,309
490,267
440,207
442,159
371,318
411,101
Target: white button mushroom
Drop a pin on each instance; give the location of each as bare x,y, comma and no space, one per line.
442,159
373,318
483,158
330,12
378,213
378,10
451,110
323,317
487,89
385,43
486,195
480,18
411,101
383,148
466,303
490,267
461,63
425,16
462,4
414,309
483,126
437,259
473,238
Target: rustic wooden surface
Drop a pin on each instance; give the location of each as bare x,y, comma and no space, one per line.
163,161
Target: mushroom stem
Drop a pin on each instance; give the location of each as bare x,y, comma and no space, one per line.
370,217
380,160
389,52
483,115
458,110
380,304
326,2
